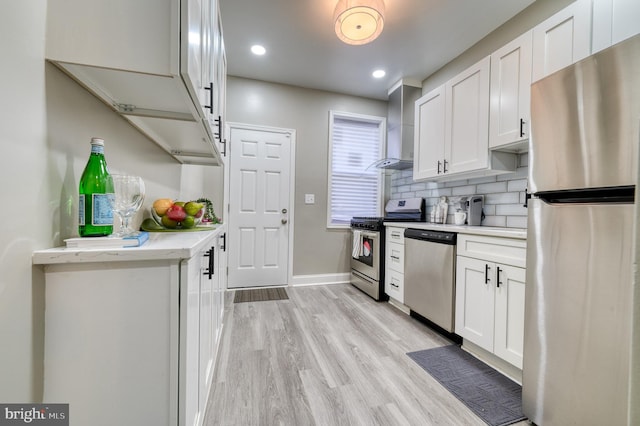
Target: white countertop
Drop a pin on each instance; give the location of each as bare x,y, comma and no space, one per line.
161,246
494,231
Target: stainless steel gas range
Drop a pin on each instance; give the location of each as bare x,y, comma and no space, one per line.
368,243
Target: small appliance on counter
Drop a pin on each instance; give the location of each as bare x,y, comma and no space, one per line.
405,210
474,210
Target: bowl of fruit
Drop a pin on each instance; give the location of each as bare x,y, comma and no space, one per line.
177,214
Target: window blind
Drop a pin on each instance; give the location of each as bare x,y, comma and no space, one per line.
355,145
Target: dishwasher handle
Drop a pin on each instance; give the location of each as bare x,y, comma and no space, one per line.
441,237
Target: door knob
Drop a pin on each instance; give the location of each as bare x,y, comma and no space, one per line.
284,211
284,221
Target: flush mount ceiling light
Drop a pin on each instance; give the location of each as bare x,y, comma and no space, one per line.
359,21
256,49
378,73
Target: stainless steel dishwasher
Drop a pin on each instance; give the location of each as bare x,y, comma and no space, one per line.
429,275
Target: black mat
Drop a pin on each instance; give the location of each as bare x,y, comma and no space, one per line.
260,294
495,398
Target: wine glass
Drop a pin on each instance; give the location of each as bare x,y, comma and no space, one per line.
129,194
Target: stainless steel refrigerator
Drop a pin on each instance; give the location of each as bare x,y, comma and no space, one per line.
580,366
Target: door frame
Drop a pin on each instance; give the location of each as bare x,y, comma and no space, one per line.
292,175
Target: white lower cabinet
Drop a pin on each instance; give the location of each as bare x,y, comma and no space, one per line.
508,335
394,263
490,280
134,330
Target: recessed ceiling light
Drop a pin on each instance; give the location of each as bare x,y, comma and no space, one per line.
379,73
256,49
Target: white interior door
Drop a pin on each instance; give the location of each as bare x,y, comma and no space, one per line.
259,206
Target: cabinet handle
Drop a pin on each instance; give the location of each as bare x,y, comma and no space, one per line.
395,235
394,285
224,151
219,125
224,242
486,273
498,277
444,169
439,167
211,267
521,128
210,89
395,257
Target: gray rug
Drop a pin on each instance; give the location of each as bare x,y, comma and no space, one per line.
495,398
260,294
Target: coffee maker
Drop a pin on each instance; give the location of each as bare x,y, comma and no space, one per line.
474,210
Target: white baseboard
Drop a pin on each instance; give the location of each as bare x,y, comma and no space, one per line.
399,305
319,279
509,370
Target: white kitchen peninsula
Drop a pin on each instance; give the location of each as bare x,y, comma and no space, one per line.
131,335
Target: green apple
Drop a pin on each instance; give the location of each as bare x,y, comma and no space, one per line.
168,223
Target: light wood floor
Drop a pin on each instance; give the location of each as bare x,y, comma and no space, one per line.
329,355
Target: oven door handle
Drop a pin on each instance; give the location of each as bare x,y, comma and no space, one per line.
372,235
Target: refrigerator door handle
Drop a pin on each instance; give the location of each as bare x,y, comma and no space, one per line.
527,197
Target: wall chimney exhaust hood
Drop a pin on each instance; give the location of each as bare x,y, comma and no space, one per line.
400,119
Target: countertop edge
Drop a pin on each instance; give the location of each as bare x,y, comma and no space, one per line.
517,233
161,246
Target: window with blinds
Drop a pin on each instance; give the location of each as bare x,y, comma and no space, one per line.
355,143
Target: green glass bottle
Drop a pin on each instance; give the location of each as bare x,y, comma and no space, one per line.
95,195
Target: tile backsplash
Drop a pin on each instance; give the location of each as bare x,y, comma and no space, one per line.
504,195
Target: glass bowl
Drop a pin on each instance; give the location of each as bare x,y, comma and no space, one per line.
189,221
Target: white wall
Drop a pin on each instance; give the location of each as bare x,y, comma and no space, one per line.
317,250
26,195
46,122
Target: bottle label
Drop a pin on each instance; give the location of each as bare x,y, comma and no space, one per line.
102,209
81,210
97,149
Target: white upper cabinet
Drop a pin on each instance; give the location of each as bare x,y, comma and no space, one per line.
562,39
452,130
429,139
194,63
509,111
614,21
150,60
467,119
219,76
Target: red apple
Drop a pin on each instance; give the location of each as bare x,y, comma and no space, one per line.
176,213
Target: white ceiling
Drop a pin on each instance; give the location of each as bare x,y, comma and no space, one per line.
419,37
